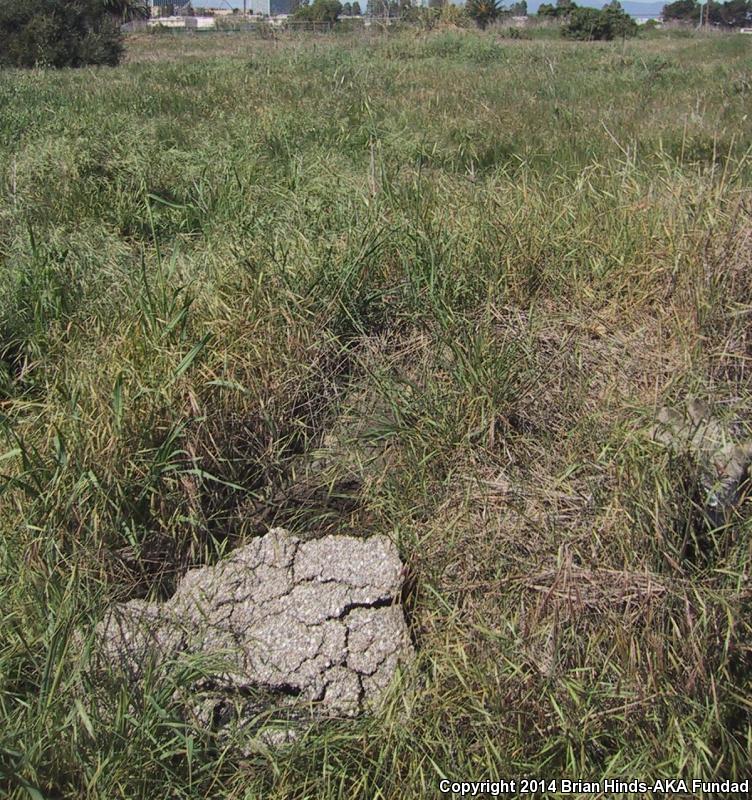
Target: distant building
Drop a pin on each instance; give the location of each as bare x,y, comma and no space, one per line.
170,15
199,23
270,8
166,8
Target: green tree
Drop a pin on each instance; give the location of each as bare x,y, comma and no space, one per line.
736,13
682,11
483,11
347,9
589,24
621,24
319,11
563,8
518,9
58,33
356,9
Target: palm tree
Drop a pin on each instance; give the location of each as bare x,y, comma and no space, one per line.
126,10
483,11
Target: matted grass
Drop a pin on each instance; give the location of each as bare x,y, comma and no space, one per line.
429,285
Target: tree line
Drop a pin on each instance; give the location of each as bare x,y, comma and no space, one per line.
71,33
732,14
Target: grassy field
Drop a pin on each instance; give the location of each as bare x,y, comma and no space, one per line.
430,285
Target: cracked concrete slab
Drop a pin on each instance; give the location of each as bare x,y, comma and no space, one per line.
317,621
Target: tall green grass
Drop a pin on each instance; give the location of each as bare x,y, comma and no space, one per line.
433,286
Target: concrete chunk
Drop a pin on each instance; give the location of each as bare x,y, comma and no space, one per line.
312,622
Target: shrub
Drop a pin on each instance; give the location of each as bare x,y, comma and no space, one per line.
452,15
319,11
58,33
589,24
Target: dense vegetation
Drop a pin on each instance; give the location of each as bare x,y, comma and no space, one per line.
430,285
63,33
590,24
731,14
319,11
483,12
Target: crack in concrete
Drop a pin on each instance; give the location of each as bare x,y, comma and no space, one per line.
312,621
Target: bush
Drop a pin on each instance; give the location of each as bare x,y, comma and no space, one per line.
453,15
319,11
589,24
516,33
58,33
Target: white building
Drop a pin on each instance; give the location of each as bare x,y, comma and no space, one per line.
270,8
